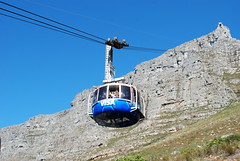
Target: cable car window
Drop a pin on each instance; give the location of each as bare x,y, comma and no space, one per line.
138,99
102,93
126,94
141,102
113,91
133,95
94,100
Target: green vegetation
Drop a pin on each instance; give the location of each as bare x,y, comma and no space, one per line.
217,136
132,158
227,145
219,146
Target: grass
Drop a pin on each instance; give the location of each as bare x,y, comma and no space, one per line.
137,157
221,146
218,135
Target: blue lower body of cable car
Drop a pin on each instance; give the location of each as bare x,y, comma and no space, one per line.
115,113
112,105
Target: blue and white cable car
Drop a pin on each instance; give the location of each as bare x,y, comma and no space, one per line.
115,104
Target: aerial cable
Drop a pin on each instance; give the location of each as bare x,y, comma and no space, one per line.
99,20
39,25
115,43
52,20
84,37
153,50
143,48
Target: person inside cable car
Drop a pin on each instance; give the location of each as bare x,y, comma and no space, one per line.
114,91
117,94
114,94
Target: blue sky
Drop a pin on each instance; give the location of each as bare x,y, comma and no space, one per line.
41,70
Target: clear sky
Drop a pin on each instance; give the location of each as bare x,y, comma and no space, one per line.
41,70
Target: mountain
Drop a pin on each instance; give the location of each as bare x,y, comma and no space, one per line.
184,85
199,141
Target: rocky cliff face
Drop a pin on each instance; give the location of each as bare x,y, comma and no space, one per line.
187,83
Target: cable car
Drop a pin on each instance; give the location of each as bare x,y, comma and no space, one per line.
115,104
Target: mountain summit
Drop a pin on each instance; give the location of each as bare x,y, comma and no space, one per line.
185,84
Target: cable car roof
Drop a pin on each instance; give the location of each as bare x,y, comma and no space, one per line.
114,84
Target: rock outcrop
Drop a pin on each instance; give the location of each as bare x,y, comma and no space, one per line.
185,84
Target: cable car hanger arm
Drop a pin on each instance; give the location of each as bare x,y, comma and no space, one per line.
116,43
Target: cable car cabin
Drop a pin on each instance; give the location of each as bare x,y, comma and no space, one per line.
116,105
